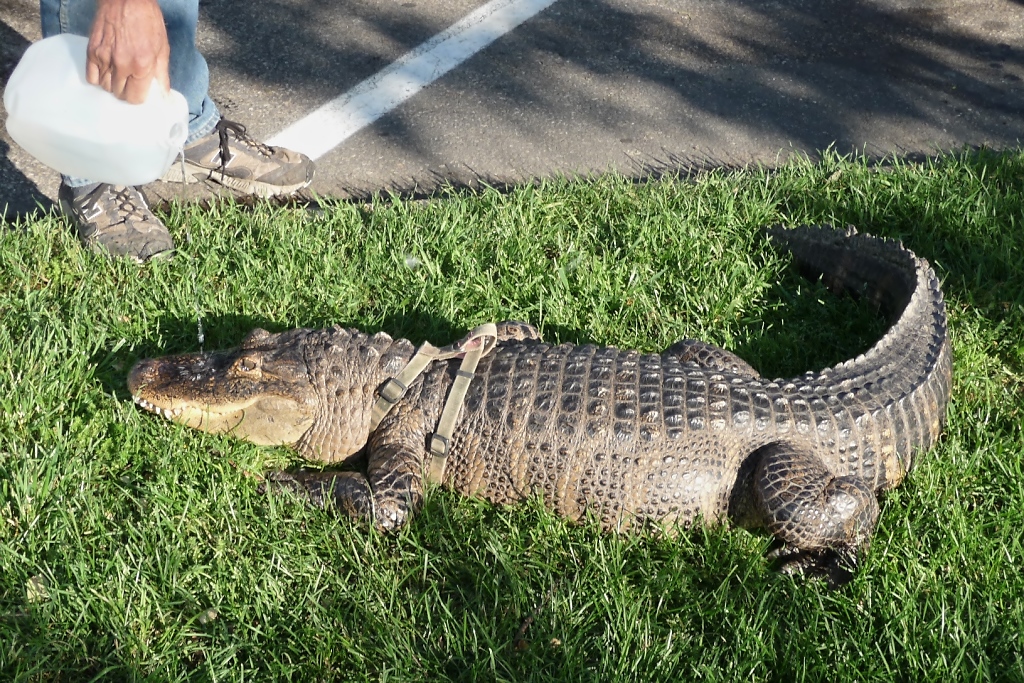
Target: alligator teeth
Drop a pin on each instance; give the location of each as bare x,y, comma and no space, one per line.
165,412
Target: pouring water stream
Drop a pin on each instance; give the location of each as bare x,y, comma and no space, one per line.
200,335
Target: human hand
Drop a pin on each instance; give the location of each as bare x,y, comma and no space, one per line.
128,48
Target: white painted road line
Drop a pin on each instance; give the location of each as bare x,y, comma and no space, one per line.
325,128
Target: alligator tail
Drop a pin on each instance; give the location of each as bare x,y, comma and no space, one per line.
908,372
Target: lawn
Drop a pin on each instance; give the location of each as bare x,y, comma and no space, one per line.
133,548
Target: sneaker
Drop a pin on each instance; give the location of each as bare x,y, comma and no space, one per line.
115,219
232,158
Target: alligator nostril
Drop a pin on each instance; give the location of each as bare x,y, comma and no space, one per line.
141,374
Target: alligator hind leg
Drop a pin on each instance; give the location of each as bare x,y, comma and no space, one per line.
515,330
710,356
822,519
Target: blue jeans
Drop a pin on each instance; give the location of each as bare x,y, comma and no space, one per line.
189,73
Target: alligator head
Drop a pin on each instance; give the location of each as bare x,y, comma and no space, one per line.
310,389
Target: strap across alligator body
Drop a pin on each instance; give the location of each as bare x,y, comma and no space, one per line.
478,343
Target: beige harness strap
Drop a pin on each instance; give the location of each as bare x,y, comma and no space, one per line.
478,343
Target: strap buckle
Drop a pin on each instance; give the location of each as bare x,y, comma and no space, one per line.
392,391
439,445
478,343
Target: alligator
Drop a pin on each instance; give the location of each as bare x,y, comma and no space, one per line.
625,438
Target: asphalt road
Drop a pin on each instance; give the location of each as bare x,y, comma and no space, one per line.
588,86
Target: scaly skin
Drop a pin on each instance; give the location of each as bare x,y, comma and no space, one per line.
628,438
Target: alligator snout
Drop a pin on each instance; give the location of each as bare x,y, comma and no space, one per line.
142,374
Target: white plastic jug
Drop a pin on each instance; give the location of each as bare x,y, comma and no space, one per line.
84,131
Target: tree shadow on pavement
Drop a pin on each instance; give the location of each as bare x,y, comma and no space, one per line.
737,75
740,80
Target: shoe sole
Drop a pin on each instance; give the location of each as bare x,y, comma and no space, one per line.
197,174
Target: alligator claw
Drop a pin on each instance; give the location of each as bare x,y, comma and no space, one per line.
836,566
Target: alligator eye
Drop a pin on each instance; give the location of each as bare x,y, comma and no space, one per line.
249,364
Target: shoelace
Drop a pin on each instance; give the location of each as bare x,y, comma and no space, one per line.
224,127
128,205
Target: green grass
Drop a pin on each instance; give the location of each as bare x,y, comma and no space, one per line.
136,549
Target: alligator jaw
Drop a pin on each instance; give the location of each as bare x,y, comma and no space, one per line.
205,418
244,392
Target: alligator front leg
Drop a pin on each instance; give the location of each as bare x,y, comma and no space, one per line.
386,496
822,519
396,476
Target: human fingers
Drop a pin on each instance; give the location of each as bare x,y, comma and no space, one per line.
136,89
107,81
128,48
92,72
98,61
